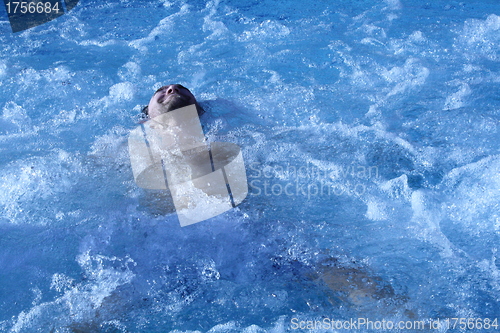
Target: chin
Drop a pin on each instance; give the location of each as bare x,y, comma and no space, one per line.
176,103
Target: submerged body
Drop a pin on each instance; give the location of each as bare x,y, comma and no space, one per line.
165,99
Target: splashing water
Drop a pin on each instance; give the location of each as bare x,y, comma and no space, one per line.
370,136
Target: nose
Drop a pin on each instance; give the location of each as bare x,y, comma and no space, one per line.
172,89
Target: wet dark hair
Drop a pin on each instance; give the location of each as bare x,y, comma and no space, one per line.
145,111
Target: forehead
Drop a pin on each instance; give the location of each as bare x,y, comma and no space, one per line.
179,85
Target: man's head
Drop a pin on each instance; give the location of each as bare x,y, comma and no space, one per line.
169,98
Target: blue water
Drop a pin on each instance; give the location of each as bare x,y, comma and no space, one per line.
370,133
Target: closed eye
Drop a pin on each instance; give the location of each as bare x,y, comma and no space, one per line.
160,89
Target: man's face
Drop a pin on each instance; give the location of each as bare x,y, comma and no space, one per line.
169,98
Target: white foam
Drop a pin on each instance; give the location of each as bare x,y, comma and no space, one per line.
265,30
123,91
458,99
417,36
376,210
61,282
131,71
165,26
111,145
279,326
118,93
218,28
412,75
94,42
474,194
393,4
81,303
426,218
26,182
60,73
398,188
489,267
3,69
226,327
413,44
480,38
17,116
166,3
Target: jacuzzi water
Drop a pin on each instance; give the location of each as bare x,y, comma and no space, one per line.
369,131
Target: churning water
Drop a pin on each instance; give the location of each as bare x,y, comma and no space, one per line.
369,131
